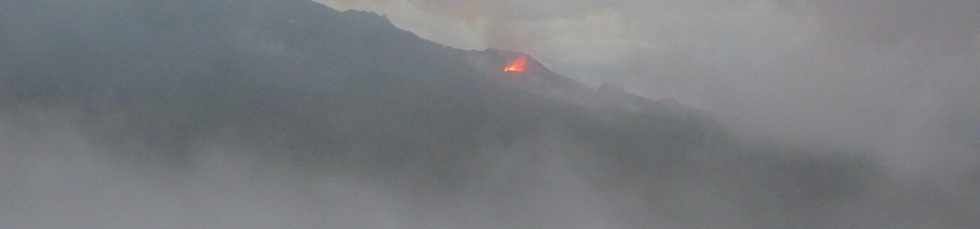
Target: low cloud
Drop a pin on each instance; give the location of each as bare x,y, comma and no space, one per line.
867,74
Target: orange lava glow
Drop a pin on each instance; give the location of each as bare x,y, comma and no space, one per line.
518,65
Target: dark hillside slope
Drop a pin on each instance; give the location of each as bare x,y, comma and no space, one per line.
182,69
288,73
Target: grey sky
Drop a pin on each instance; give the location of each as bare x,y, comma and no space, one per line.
890,75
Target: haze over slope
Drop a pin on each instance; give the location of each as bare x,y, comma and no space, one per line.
895,77
288,114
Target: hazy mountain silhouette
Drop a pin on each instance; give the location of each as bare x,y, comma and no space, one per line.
300,75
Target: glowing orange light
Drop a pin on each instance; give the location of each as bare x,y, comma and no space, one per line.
518,65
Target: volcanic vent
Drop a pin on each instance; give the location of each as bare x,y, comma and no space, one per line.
518,65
